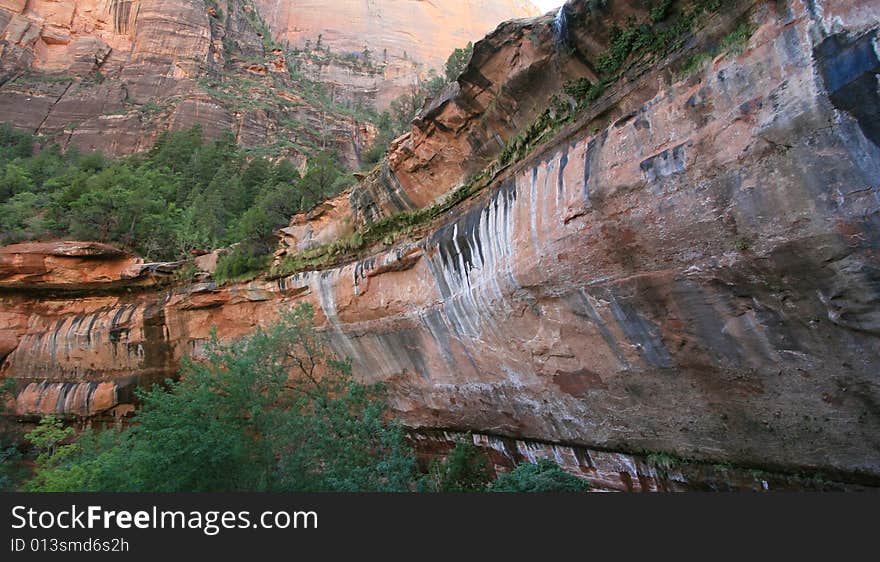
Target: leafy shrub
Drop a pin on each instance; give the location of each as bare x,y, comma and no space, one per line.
241,262
736,40
663,462
11,469
465,469
661,11
276,411
545,476
733,43
15,143
458,61
48,439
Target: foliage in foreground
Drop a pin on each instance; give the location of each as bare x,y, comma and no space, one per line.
238,421
465,469
10,467
545,476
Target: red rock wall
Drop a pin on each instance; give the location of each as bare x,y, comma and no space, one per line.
111,75
76,74
622,472
411,36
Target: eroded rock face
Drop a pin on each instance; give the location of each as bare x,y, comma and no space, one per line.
80,70
65,265
621,472
83,356
691,267
79,267
407,37
111,75
324,224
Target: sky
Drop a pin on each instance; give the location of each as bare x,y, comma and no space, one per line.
547,5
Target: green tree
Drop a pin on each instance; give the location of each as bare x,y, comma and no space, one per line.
243,261
213,215
48,439
379,147
545,476
285,172
15,179
95,214
20,218
11,471
175,150
465,469
14,144
93,162
276,411
256,177
458,61
324,178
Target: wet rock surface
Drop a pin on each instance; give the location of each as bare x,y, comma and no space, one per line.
690,268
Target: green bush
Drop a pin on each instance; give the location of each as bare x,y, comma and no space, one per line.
663,462
276,411
241,262
458,61
735,41
15,143
465,469
545,476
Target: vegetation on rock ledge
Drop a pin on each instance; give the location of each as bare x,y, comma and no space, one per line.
184,194
662,33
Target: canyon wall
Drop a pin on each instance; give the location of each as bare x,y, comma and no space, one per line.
111,75
426,31
406,37
690,267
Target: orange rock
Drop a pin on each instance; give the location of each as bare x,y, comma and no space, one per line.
67,264
688,267
410,36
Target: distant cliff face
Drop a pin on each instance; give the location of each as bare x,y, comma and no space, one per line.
413,30
407,36
690,266
111,74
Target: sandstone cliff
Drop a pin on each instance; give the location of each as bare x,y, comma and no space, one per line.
689,267
110,75
406,37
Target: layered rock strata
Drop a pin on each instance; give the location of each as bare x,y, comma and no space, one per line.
691,268
110,75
